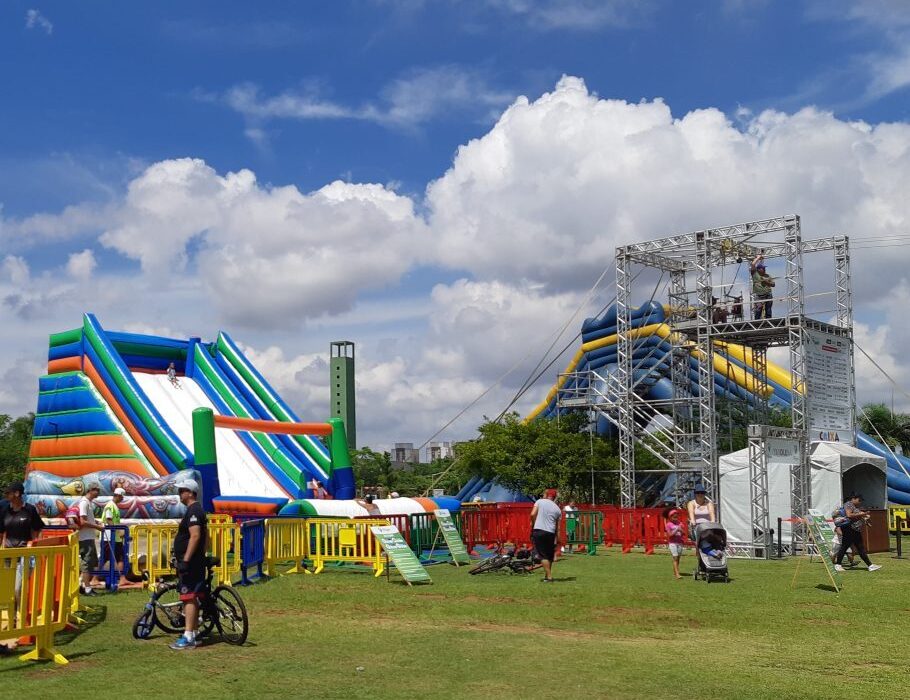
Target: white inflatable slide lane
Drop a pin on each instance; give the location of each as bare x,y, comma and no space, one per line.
239,472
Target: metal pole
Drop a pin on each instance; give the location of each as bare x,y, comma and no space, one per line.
899,522
780,549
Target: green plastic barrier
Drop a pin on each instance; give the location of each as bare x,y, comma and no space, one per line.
425,532
583,528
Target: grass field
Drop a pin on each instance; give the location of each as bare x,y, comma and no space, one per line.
613,625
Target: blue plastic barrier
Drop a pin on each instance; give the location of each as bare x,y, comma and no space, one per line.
252,549
108,563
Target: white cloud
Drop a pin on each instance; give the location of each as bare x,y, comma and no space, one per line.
16,270
81,265
588,15
35,20
406,102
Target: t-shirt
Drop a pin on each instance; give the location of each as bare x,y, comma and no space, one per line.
111,512
675,531
850,509
18,525
87,514
548,515
195,515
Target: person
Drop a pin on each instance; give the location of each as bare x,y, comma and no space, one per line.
20,524
571,525
172,375
394,494
840,521
718,312
736,311
189,553
676,536
762,286
318,489
700,509
110,516
545,517
712,545
852,534
88,526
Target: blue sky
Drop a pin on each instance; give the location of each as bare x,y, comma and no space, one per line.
102,100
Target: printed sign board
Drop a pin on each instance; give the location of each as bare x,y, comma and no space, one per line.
400,554
822,534
829,395
452,537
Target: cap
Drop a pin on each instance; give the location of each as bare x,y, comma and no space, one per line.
188,485
394,494
119,491
14,486
550,493
673,512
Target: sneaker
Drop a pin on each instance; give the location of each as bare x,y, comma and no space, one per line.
874,567
89,592
182,643
838,567
546,580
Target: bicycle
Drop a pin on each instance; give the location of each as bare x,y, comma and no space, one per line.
515,563
221,608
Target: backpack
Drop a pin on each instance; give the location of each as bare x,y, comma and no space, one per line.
72,514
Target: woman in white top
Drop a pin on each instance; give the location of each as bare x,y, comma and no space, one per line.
701,510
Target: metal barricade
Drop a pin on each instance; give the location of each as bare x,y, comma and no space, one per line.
340,540
897,517
252,549
37,595
224,543
285,541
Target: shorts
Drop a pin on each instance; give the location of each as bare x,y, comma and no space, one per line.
106,551
544,543
191,585
88,556
676,550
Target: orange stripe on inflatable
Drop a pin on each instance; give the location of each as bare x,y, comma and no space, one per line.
245,507
271,426
81,445
65,364
92,374
81,467
429,505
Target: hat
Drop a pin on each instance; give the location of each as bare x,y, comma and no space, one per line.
700,489
394,494
550,493
14,486
760,266
673,512
119,491
188,485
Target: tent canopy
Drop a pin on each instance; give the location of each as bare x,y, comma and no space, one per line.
836,470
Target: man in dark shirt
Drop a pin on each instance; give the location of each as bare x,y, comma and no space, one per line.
19,521
189,552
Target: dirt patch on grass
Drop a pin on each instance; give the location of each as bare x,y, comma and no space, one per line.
643,616
527,629
471,598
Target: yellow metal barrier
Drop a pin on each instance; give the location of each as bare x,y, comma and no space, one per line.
36,596
339,540
285,540
150,549
219,518
224,538
895,512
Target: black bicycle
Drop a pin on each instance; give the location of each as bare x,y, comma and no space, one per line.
221,609
522,562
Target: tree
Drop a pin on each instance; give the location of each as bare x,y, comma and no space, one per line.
15,436
877,419
371,468
531,457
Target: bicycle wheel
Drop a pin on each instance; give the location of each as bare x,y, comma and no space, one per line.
144,624
168,611
232,620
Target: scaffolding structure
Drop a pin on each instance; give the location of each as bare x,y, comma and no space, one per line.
682,432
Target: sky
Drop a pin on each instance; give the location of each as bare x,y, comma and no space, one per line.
440,181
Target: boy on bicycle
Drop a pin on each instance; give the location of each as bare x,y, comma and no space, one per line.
189,552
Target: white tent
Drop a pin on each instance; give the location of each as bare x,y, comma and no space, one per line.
837,469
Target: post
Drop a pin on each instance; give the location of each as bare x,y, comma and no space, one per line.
899,522
205,456
341,458
780,549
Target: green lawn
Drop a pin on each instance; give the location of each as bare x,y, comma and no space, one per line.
614,626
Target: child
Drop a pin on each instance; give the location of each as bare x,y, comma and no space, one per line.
711,545
172,375
840,521
676,536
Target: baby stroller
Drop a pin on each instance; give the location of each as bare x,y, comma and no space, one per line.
710,543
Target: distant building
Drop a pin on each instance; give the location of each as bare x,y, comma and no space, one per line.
405,453
438,450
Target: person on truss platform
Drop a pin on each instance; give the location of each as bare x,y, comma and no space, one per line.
762,288
718,312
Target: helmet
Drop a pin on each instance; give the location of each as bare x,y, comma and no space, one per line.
188,485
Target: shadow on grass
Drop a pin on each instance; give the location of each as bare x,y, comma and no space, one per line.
91,617
826,587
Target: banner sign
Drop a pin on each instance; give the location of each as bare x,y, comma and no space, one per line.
822,534
400,554
452,537
829,392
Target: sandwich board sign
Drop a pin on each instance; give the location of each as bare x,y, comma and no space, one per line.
450,534
822,535
400,555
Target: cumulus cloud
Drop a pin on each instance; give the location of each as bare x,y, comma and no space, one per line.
35,20
587,15
81,265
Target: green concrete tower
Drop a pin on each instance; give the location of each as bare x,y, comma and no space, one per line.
341,369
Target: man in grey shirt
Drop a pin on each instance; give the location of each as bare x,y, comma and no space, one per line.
545,517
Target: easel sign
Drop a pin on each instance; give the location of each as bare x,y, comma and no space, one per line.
400,554
822,536
453,541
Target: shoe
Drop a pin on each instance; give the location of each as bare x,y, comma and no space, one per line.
89,592
546,580
838,567
182,643
874,567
